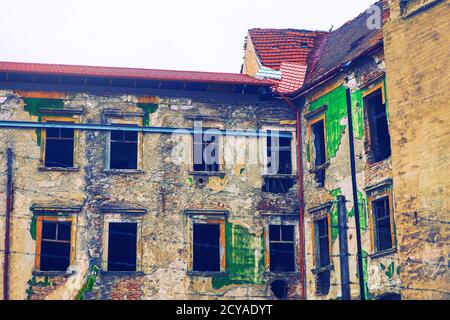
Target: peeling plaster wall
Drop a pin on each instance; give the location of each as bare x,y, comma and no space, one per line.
164,188
378,274
417,60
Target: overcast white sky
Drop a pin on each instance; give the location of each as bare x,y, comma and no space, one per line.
204,35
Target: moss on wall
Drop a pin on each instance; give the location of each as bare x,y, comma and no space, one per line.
148,108
32,106
244,257
88,284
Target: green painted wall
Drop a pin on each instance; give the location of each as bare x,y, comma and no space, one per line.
148,108
32,106
337,109
244,257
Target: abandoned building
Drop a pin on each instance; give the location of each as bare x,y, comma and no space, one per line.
419,127
307,176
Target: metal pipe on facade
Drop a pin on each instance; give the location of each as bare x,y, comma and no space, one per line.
355,196
343,249
9,208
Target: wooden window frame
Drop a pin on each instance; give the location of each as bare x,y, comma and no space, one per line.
140,143
263,144
222,242
374,197
310,123
39,221
313,238
295,225
44,139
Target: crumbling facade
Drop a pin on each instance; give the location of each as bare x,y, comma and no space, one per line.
128,214
417,59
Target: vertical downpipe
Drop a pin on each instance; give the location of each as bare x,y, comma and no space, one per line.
343,248
355,196
9,208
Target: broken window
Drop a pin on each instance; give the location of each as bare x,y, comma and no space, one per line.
282,248
318,138
206,152
382,221
277,185
279,157
123,149
322,243
122,244
59,147
54,252
206,243
380,141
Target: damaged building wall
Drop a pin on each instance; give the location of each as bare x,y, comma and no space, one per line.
161,197
419,96
327,178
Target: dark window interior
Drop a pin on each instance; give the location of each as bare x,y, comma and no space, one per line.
59,147
206,247
380,139
55,246
124,150
122,241
390,296
322,243
278,153
318,131
282,248
279,289
382,219
323,282
206,155
277,185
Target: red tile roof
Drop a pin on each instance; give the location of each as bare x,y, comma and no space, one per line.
275,46
133,73
292,77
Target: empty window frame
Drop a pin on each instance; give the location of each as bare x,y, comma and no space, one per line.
317,142
278,152
322,242
206,152
58,146
54,238
123,152
281,248
382,222
206,247
379,138
122,246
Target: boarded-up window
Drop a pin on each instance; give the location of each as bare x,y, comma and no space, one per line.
382,221
282,248
123,150
122,243
206,245
59,147
380,140
55,246
322,243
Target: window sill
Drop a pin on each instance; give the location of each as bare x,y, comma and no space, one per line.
320,168
59,169
208,173
280,176
383,253
287,274
123,171
122,273
207,273
322,269
52,273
